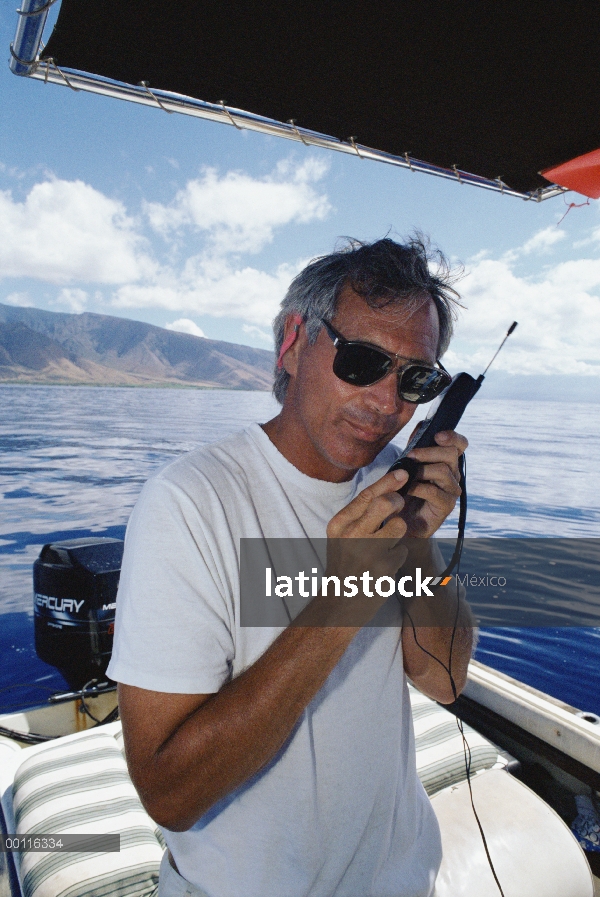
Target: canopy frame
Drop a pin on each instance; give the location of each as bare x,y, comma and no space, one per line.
27,60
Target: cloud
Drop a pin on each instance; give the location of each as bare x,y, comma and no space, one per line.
21,300
263,335
239,213
558,313
67,231
185,325
214,287
543,240
75,299
236,213
12,171
70,234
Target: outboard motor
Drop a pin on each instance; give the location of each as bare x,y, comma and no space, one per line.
74,597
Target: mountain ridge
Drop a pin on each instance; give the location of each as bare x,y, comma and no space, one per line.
46,347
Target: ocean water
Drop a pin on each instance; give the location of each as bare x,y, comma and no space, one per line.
73,460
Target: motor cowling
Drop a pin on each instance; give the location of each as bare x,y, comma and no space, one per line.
74,598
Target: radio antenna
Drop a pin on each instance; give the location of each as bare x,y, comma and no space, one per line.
508,333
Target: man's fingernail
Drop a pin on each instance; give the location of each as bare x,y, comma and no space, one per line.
401,474
442,437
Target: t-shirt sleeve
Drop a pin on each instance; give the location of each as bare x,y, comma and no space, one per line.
174,618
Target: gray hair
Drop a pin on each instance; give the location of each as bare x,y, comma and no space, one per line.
382,273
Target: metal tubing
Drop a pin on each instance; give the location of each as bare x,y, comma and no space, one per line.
46,71
25,47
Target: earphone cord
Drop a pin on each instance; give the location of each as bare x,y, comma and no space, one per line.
455,562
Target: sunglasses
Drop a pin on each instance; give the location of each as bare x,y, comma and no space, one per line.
363,364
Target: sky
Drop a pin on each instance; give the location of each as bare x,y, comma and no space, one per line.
115,208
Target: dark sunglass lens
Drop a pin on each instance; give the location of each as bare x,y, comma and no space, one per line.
419,384
360,365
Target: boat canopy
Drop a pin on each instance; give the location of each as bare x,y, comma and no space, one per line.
497,94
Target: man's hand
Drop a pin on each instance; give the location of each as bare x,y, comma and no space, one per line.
433,495
363,517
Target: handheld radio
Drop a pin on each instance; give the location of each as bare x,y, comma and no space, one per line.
444,414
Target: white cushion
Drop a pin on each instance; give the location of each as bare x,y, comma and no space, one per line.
81,786
439,745
533,852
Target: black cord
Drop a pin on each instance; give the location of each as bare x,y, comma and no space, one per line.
455,562
85,707
460,541
109,718
462,516
26,737
36,738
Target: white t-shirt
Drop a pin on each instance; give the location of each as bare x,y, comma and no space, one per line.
339,811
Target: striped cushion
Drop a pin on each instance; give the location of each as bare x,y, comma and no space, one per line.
82,787
439,744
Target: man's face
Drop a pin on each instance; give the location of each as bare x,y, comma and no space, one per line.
334,428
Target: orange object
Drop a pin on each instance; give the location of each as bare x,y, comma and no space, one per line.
581,174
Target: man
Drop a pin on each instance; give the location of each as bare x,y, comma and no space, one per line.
280,763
